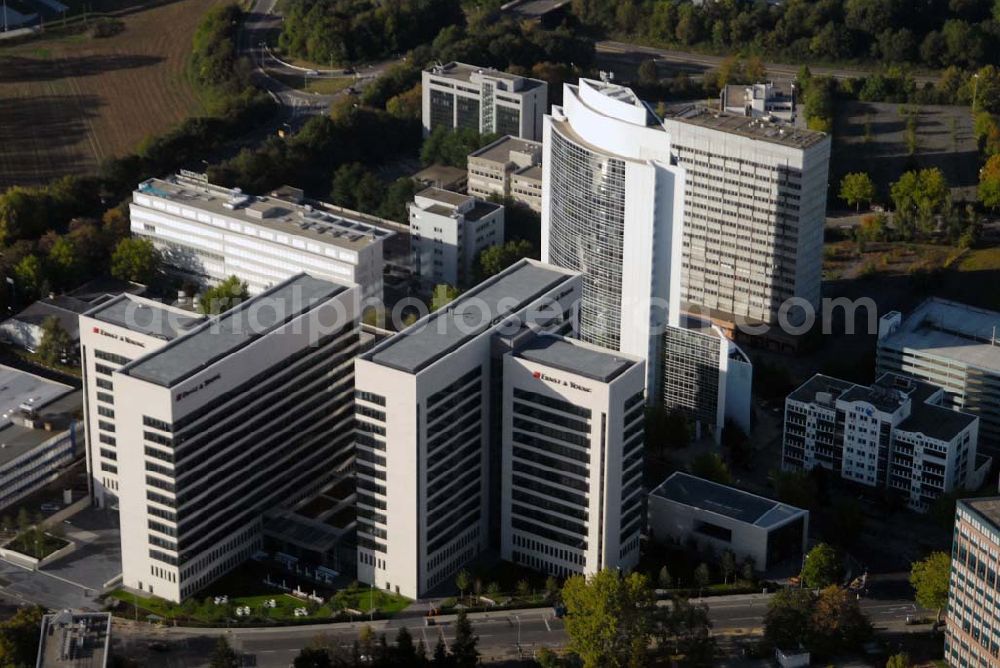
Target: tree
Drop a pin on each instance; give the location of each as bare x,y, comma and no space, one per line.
29,277
711,467
64,262
55,343
727,564
224,656
19,637
901,660
647,73
684,629
405,651
463,581
135,259
224,296
989,183
786,622
607,617
837,623
441,657
822,567
663,578
463,647
857,187
523,588
702,577
929,578
443,295
495,259
797,488
312,657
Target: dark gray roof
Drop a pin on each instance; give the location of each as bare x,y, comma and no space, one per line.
471,314
936,422
806,392
145,317
723,500
65,309
575,357
481,209
233,330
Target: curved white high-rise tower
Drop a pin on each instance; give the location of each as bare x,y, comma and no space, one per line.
612,208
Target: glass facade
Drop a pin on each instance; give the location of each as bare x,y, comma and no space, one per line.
691,373
442,109
508,121
467,114
587,230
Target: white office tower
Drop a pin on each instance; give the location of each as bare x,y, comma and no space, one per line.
484,100
249,412
112,335
427,402
572,496
612,206
208,233
754,211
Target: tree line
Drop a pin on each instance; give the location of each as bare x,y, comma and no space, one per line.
935,33
349,31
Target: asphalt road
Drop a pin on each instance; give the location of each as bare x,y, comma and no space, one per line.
502,635
611,52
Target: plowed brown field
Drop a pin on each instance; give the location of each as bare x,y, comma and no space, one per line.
67,103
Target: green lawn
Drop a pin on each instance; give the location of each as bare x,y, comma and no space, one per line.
364,599
980,259
320,85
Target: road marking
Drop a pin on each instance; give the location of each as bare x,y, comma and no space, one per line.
546,620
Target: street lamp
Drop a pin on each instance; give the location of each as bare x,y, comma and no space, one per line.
975,90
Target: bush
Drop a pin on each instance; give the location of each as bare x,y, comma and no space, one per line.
106,27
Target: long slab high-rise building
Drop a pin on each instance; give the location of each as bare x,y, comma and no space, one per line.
428,441
754,212
612,208
249,412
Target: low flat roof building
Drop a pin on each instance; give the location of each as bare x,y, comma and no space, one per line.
75,640
954,346
725,518
508,167
25,328
247,413
40,434
209,233
448,231
894,434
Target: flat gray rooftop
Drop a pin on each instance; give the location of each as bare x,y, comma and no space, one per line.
465,72
734,503
530,172
751,128
576,357
20,387
233,330
499,151
280,216
475,311
75,639
936,422
951,330
444,196
18,439
806,392
146,316
988,509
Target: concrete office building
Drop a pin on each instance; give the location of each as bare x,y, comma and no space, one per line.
754,210
971,620
706,376
572,495
607,160
759,100
725,518
448,231
247,413
895,435
428,431
113,334
954,346
39,433
509,167
484,100
208,233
